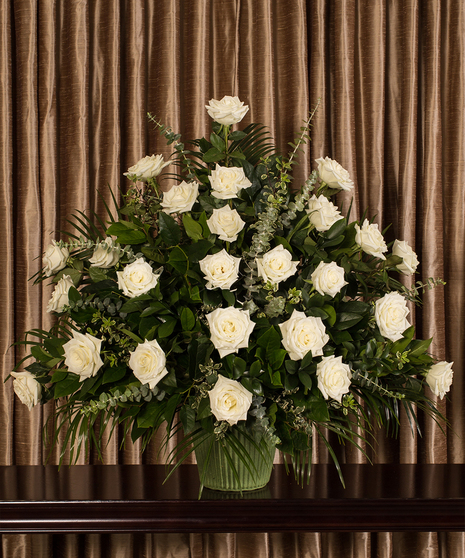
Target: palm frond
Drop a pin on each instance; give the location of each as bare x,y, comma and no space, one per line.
256,145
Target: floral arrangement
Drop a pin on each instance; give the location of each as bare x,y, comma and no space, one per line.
229,303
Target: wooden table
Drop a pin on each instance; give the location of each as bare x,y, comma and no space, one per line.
133,498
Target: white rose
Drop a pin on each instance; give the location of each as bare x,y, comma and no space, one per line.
60,295
54,258
328,278
137,278
229,329
148,167
180,198
106,254
439,378
148,362
391,315
333,174
333,377
226,223
27,388
322,213
227,111
370,239
82,355
276,265
226,182
221,270
410,260
229,400
302,334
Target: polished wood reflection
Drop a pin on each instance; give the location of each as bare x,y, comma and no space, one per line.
132,498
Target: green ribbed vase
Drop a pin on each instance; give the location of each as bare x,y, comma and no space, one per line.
219,474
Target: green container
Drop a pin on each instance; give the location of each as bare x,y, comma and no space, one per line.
219,474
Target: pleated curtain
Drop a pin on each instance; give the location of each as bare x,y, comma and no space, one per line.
78,78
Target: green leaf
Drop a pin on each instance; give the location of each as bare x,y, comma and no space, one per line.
113,374
198,250
217,142
151,416
237,135
305,379
58,376
276,358
187,319
178,260
401,344
167,328
239,367
229,297
97,274
292,366
74,295
281,240
336,230
317,409
418,347
331,314
169,229
67,386
213,155
170,380
371,348
255,369
187,416
204,409
127,233
347,320
192,227
39,354
307,361
269,340
75,275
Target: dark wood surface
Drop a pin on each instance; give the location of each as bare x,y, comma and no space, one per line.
133,498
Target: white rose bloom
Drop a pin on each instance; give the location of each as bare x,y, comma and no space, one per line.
302,334
322,213
60,295
391,315
276,265
334,174
148,362
54,258
226,182
148,167
439,378
137,278
230,329
106,254
221,270
328,278
227,111
226,223
229,400
333,377
180,198
370,239
410,260
27,388
82,355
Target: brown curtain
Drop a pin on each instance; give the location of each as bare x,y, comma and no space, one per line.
77,79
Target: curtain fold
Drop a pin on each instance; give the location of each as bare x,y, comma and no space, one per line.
77,81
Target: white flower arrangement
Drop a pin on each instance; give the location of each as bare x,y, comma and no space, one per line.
233,300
